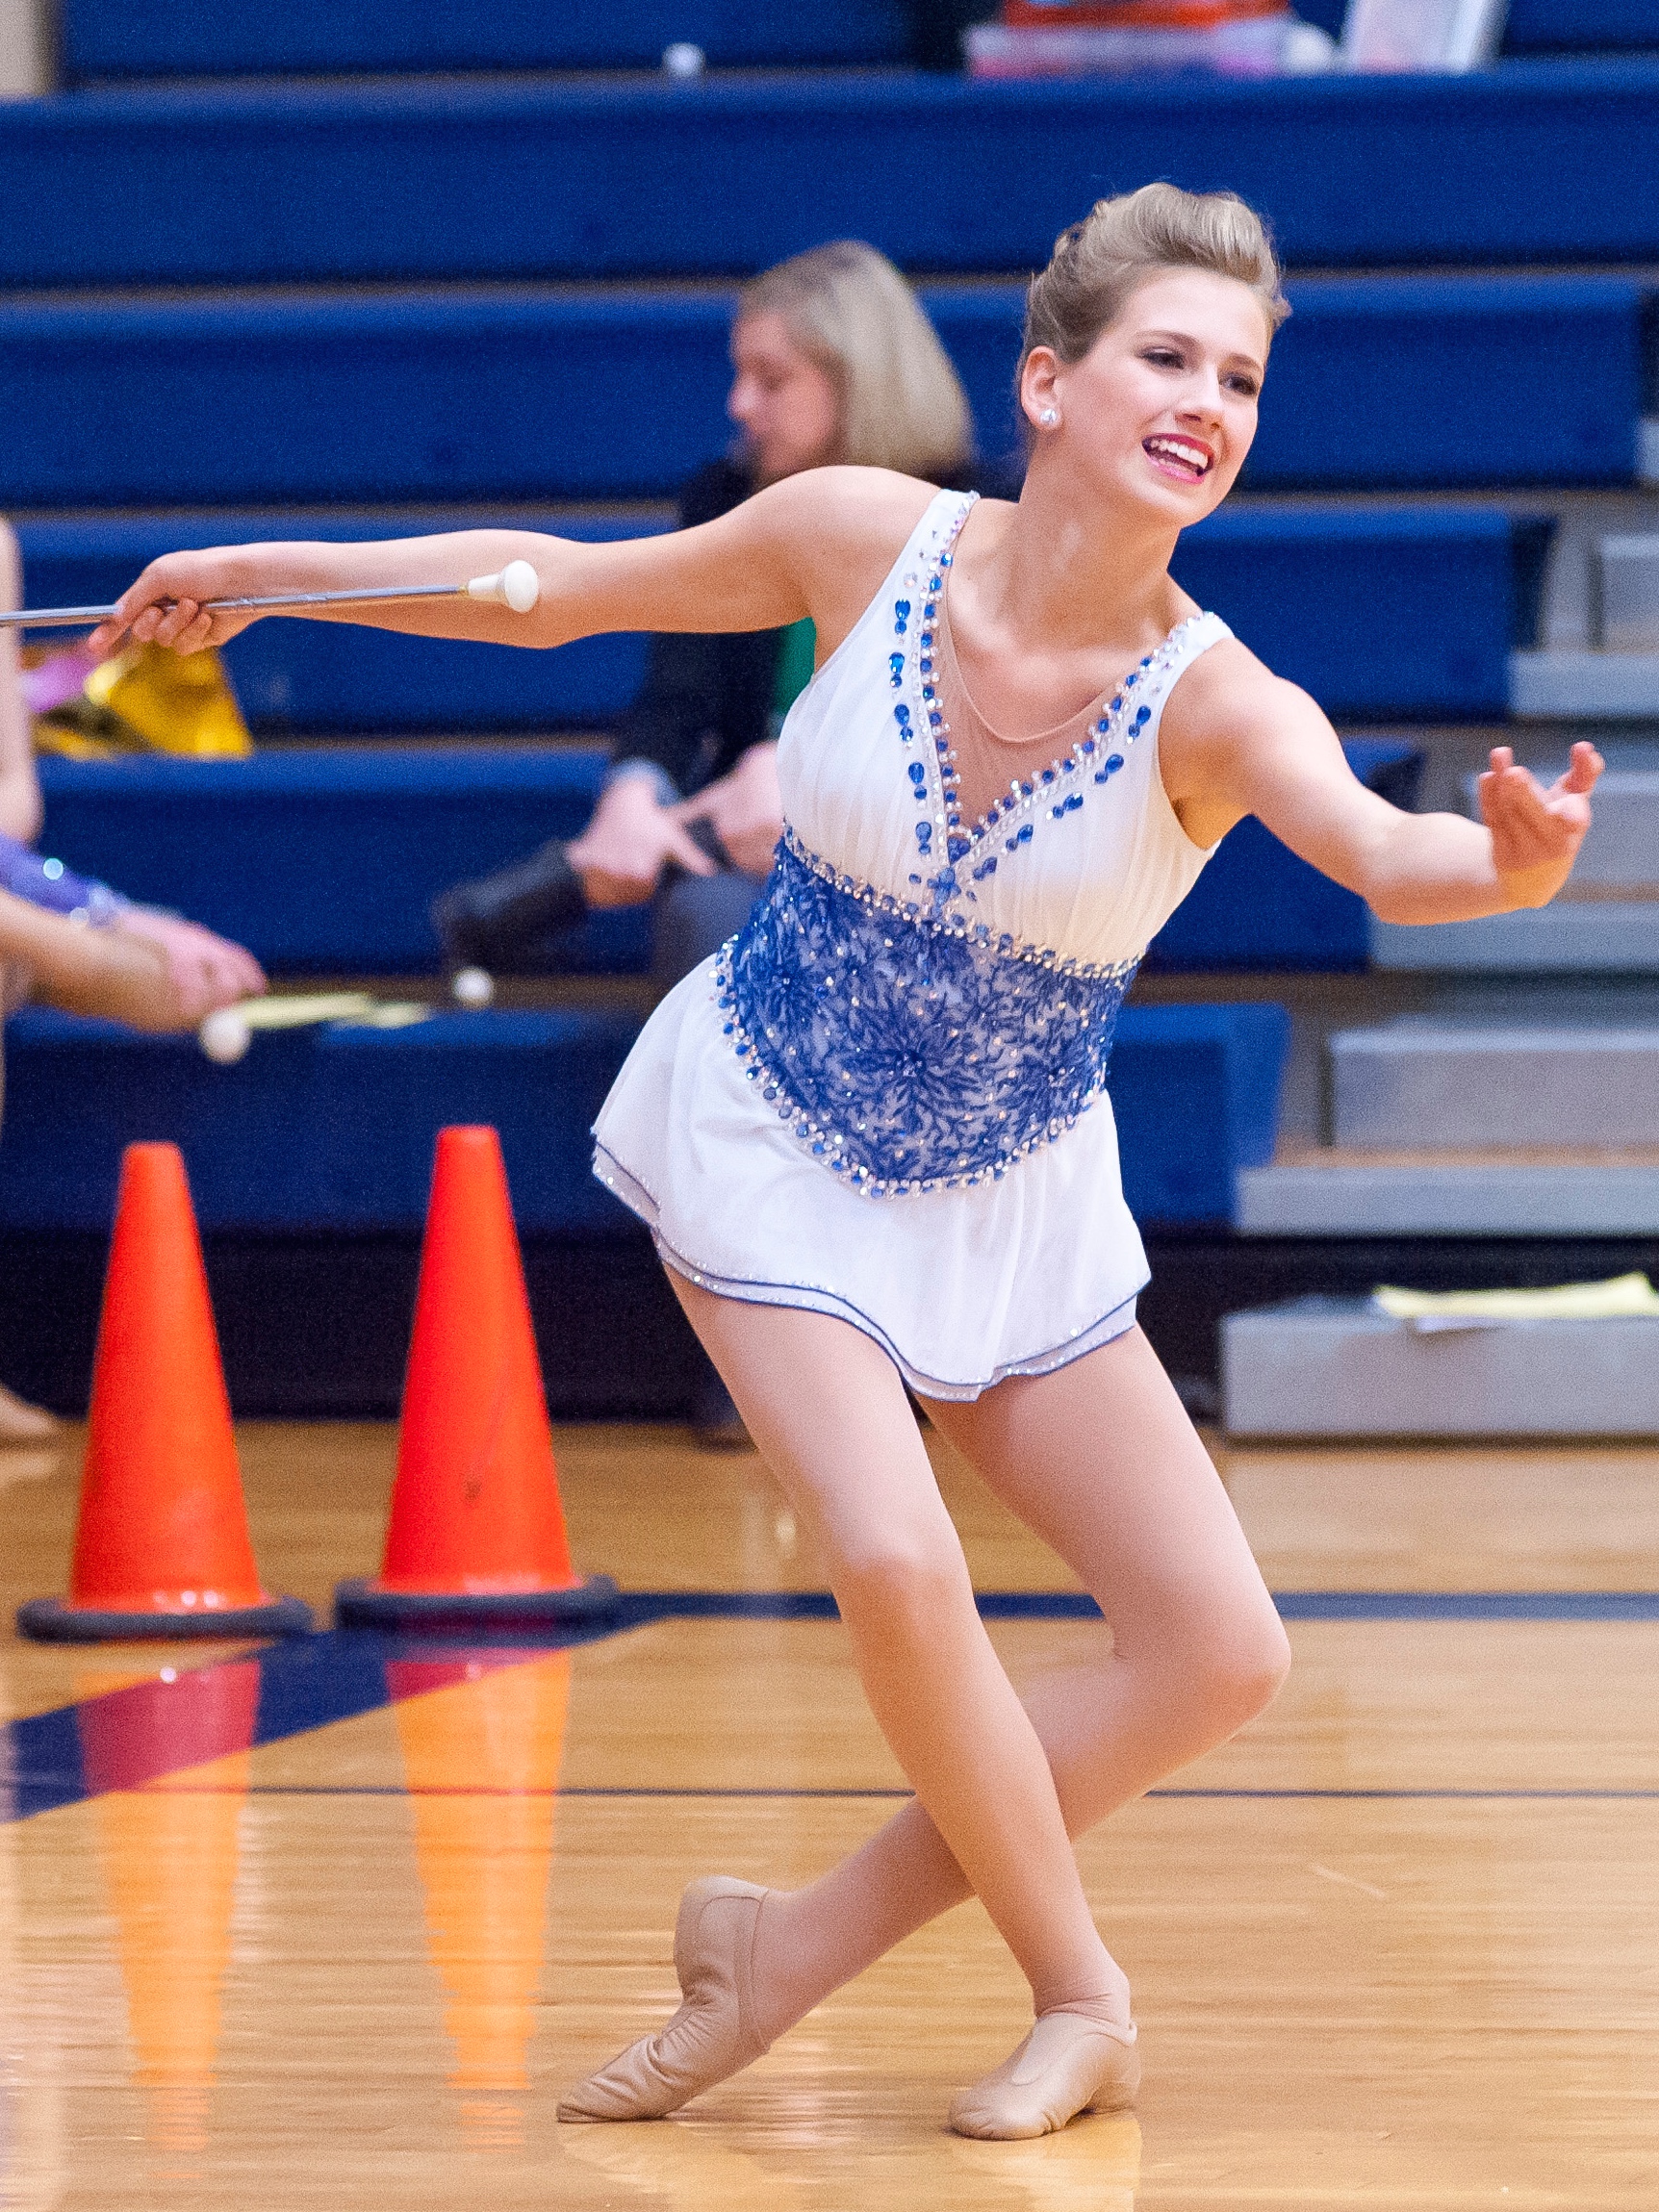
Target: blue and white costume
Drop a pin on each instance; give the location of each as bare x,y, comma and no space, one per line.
884,1100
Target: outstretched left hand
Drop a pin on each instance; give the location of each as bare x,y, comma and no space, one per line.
1536,833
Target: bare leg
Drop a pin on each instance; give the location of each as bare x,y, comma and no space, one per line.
1101,1461
828,1413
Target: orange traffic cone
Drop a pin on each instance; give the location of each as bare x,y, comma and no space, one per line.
477,1534
162,1549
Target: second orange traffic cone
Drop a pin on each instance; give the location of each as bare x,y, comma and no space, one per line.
162,1548
477,1533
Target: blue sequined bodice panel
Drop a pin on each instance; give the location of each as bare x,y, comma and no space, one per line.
910,1051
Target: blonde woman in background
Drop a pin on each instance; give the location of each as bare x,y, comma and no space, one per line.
832,361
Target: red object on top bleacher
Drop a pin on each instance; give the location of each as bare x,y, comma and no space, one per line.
1133,15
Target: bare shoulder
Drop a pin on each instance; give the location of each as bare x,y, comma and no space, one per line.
1232,730
1227,696
844,514
846,527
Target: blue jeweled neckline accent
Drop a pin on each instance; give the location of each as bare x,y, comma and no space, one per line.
1098,755
910,1052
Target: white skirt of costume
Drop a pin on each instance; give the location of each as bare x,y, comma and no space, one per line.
960,1287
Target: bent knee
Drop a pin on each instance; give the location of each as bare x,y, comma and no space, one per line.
903,1580
1242,1668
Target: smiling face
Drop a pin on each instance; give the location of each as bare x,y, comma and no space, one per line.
789,407
1162,409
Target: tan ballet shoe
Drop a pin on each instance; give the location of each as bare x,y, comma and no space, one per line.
1068,2063
712,2034
21,1423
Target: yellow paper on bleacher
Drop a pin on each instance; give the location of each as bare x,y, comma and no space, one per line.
1621,1297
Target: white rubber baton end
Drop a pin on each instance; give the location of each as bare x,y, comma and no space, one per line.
518,586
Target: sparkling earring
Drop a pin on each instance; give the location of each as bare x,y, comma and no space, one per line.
1048,418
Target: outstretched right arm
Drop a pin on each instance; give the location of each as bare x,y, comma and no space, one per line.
818,543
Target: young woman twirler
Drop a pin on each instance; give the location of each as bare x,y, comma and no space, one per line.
872,1137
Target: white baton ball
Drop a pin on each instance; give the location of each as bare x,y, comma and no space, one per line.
225,1036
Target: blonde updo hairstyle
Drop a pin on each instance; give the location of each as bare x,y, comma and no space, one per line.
850,310
1100,263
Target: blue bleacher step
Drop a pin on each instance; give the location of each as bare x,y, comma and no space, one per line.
1580,27
1325,1367
1454,1081
333,1129
324,861
466,394
332,38
102,38
1606,920
485,176
1380,612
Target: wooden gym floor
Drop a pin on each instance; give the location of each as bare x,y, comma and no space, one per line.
1397,1945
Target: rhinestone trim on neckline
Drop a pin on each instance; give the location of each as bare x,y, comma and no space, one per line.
1097,757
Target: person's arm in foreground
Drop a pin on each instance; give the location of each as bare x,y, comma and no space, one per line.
19,786
105,972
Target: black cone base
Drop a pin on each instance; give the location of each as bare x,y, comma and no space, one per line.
50,1620
360,1604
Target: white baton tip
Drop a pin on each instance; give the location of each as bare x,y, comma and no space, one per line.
518,586
225,1036
473,988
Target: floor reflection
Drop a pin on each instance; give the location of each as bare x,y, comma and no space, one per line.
168,1853
482,1743
1094,2166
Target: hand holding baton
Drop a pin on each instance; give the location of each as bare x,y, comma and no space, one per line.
516,586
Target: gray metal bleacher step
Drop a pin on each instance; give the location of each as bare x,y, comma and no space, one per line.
1355,1194
1606,921
1570,937
1338,1368
1562,682
1433,1080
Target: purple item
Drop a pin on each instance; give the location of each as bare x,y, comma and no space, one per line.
48,884
57,680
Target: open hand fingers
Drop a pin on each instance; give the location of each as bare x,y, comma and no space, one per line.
1530,827
1583,769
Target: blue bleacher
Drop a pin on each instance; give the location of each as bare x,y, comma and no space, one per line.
209,39
1581,27
487,177
1385,383
1379,612
324,861
333,1129
462,252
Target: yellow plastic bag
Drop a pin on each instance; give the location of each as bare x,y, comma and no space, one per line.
184,706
